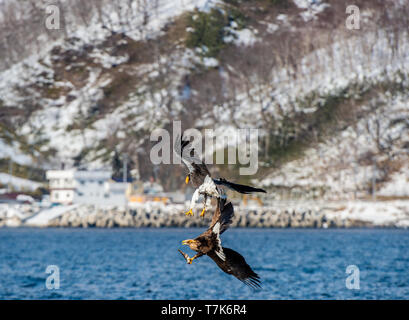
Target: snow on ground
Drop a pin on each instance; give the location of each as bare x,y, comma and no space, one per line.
312,8
52,121
30,71
244,37
334,165
19,183
12,214
166,208
379,213
25,73
44,217
106,60
325,70
136,19
9,211
271,27
398,186
13,152
365,58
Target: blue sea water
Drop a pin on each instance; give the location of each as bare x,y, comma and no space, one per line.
145,264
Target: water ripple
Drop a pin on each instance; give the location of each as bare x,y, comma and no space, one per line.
145,264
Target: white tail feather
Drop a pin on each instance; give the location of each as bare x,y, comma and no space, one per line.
219,250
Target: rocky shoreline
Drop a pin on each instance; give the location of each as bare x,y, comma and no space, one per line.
347,215
140,218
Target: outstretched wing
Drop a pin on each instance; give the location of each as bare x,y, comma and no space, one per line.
237,187
185,150
226,217
236,265
217,213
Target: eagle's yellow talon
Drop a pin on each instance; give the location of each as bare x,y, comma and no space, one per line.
189,260
203,212
189,213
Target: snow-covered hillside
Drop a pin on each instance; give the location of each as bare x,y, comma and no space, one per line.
339,98
19,184
345,165
25,82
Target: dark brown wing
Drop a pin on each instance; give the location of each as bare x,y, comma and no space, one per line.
199,173
180,145
217,212
226,217
197,168
237,187
182,151
237,266
224,214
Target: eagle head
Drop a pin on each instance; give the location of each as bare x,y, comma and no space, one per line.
193,244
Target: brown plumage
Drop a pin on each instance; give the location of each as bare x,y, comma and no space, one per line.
209,243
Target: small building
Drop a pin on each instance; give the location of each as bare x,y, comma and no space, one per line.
87,187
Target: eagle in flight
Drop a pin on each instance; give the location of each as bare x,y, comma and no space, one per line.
201,179
209,243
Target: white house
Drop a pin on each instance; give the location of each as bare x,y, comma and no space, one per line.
88,187
62,185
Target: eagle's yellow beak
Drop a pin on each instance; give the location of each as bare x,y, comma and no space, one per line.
187,179
186,242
